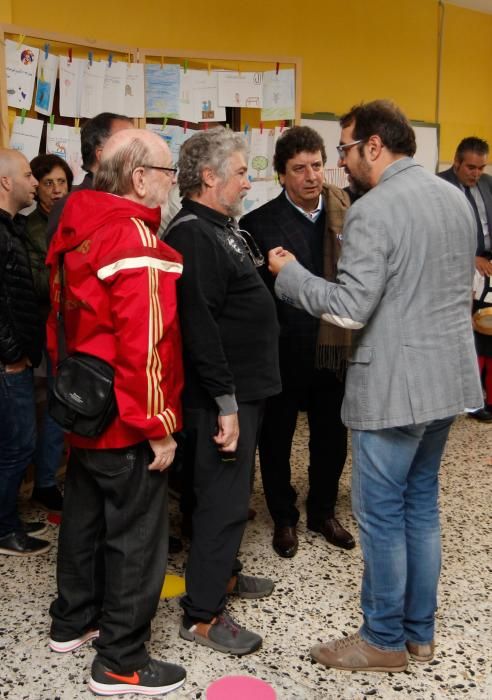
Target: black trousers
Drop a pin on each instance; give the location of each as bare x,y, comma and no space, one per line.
321,396
221,485
112,552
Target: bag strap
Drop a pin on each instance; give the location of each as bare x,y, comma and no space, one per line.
181,220
60,321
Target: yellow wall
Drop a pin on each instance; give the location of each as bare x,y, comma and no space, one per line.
352,51
466,96
5,11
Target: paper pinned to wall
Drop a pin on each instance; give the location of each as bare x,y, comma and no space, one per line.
261,149
279,95
26,136
199,97
206,97
64,141
134,91
21,62
261,192
70,86
173,135
114,86
161,90
46,83
93,75
186,87
260,153
240,89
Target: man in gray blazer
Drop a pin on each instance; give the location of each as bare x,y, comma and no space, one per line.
404,278
467,173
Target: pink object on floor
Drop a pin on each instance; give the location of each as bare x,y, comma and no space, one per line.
240,688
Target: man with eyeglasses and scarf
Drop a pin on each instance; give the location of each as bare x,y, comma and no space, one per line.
230,336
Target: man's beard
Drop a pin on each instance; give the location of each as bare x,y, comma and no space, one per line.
233,209
361,183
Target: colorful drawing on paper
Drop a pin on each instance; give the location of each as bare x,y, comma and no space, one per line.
20,62
161,90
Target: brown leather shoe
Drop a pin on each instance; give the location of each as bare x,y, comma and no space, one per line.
354,654
421,652
334,533
285,541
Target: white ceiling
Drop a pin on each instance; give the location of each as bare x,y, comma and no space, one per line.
479,5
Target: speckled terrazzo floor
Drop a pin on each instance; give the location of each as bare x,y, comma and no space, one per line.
316,598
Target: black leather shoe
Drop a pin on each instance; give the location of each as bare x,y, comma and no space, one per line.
334,533
483,414
19,544
285,541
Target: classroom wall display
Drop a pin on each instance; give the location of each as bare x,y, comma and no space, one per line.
55,81
73,79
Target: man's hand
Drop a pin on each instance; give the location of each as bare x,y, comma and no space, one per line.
278,258
228,433
19,366
483,266
163,453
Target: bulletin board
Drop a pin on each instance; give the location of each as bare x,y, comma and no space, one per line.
243,117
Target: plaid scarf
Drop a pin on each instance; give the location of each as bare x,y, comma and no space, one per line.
334,343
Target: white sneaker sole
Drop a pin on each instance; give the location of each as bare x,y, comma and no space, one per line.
126,688
64,647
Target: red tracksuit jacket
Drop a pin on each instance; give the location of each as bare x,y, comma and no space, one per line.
120,305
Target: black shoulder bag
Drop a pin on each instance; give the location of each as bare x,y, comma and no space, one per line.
82,400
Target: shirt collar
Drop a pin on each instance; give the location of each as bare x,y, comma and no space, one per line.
311,215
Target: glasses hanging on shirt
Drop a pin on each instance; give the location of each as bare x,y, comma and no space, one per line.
243,243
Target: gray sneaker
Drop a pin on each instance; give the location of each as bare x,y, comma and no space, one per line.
222,633
251,587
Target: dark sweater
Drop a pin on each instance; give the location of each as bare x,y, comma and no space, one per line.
21,329
228,319
279,223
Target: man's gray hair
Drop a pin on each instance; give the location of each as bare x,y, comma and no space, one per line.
206,149
114,174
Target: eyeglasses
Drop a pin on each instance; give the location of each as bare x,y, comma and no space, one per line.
172,170
243,243
343,148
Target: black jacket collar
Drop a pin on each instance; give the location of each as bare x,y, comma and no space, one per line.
204,212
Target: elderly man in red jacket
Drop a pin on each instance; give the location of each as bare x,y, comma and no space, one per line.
119,305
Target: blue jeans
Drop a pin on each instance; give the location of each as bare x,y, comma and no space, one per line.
17,441
49,447
395,490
